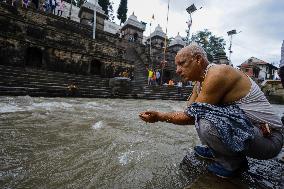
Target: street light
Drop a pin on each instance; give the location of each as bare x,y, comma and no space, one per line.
230,34
70,10
191,9
95,18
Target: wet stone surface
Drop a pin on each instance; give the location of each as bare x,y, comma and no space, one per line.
261,174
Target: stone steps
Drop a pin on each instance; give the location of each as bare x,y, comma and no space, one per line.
21,81
46,83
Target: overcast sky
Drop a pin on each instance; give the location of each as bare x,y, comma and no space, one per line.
261,23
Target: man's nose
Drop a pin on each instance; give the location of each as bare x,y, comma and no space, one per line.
178,70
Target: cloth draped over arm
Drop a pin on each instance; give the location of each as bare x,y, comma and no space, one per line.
231,123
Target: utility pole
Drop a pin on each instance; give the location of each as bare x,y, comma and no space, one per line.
191,9
163,64
231,33
70,10
95,19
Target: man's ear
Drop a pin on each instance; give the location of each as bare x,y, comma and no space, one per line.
198,58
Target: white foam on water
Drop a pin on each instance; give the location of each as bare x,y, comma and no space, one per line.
125,157
52,105
177,107
95,105
7,108
98,125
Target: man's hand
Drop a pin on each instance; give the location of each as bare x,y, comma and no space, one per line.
150,116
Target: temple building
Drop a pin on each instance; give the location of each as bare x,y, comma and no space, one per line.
86,14
157,37
282,55
258,69
132,30
177,43
220,58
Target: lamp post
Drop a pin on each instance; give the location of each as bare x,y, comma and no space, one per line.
95,19
191,9
230,34
70,10
165,43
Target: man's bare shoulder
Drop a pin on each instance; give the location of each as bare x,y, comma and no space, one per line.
222,72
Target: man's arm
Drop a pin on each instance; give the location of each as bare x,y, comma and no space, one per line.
179,118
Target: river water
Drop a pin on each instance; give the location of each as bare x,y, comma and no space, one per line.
91,143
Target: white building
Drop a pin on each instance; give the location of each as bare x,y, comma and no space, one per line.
258,69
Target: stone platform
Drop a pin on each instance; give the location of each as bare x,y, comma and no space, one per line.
261,174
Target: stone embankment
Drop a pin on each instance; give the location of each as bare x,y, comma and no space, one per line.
20,81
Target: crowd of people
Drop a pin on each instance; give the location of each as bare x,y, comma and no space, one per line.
154,76
49,6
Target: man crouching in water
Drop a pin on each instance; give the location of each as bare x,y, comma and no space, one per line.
231,114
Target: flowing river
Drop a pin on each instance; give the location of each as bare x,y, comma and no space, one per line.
91,143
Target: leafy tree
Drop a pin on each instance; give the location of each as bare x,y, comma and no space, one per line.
75,2
110,12
107,6
122,11
104,4
79,3
209,42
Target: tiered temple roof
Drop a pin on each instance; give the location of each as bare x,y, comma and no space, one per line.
132,21
158,32
177,41
220,58
90,5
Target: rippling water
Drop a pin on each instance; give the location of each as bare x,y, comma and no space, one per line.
90,143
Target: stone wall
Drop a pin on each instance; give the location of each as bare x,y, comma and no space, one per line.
57,43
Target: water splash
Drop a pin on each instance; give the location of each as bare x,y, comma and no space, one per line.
98,125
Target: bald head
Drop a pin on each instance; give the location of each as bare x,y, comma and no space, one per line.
193,49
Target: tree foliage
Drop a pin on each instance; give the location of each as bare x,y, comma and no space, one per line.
79,3
210,43
107,6
122,11
110,12
104,4
76,3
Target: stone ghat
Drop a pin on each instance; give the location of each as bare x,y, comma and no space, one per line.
57,43
20,81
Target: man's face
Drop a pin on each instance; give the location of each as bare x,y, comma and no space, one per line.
186,67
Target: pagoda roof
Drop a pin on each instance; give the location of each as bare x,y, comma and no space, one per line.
133,21
177,41
90,7
158,32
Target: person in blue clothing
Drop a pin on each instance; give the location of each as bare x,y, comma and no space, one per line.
231,114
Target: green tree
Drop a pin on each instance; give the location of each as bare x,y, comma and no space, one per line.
110,12
79,3
104,4
122,11
209,42
76,2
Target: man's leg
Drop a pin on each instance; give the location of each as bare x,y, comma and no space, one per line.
209,136
264,147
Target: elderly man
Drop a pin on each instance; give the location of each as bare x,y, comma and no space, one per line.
232,116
